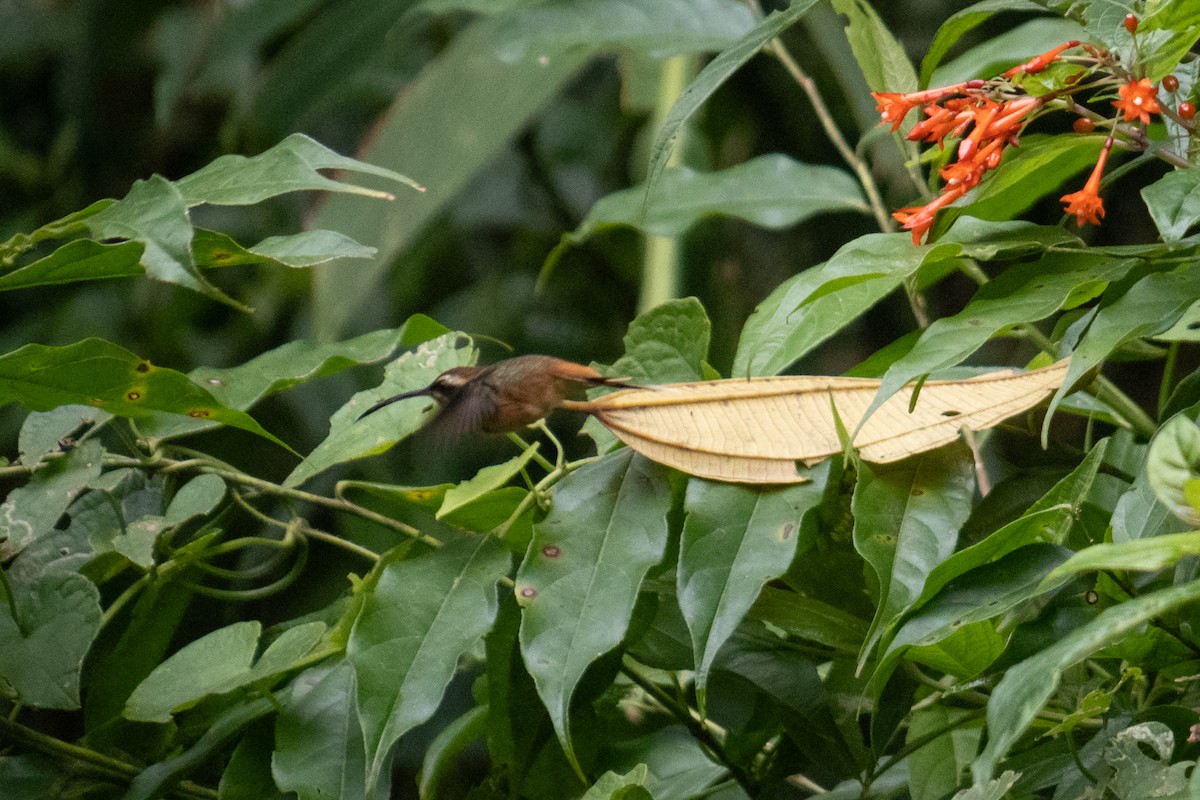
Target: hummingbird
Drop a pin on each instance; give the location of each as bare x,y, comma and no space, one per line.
505,396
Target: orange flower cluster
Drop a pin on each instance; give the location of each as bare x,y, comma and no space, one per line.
950,111
994,112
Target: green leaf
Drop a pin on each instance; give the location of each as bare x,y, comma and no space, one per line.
611,786
486,480
44,635
772,191
1138,774
999,51
217,663
805,618
43,433
935,766
350,438
1173,467
809,308
1151,305
154,781
441,757
1050,519
995,789
422,615
962,22
734,541
580,580
88,260
1174,203
679,769
196,498
714,74
1022,294
1139,514
667,344
289,166
965,654
881,58
1143,555
30,512
309,248
289,365
1025,688
83,259
906,522
247,774
662,28
154,214
466,88
980,594
319,751
32,777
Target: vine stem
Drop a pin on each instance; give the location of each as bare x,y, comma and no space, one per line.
809,87
95,761
690,720
267,487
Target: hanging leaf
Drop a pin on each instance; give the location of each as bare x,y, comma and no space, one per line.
581,577
756,430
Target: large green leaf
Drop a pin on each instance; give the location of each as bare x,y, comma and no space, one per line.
422,615
45,632
980,594
1144,555
1025,293
667,344
350,438
154,214
1173,468
772,191
1151,305
219,662
1049,519
290,365
1174,203
661,28
98,373
319,750
289,166
906,522
714,74
1026,687
580,580
89,260
881,58
962,22
1000,51
480,103
809,308
734,541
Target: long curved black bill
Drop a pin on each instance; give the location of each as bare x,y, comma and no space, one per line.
394,399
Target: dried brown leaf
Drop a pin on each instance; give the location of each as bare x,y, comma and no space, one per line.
757,430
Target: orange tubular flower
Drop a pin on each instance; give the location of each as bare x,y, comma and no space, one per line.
1086,204
893,106
919,219
1139,99
1039,63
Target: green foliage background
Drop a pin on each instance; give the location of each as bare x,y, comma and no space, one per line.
178,619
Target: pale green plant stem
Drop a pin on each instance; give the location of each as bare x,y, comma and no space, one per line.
660,259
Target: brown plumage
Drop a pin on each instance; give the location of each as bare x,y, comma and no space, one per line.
505,396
